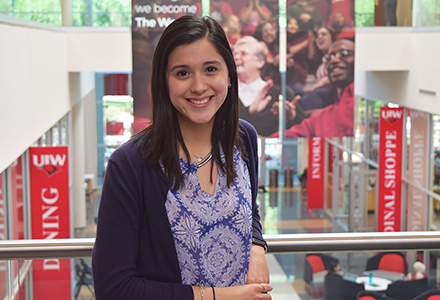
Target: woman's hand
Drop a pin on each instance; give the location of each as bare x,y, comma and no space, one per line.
290,62
254,291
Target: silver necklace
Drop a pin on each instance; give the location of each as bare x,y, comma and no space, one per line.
201,161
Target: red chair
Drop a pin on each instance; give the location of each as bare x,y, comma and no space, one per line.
316,263
392,262
428,295
388,261
370,295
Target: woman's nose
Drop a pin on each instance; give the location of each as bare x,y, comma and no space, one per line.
198,84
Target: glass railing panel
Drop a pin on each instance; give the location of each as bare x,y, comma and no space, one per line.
393,274
293,275
291,270
72,280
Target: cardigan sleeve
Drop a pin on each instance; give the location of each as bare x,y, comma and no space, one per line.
249,137
119,239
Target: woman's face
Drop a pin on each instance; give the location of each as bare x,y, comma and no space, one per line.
292,26
323,39
234,23
268,33
197,79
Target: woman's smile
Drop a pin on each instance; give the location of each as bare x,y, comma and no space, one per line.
200,101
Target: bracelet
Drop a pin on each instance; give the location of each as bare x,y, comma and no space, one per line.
259,242
213,293
201,291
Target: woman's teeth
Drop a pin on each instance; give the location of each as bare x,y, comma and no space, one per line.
199,101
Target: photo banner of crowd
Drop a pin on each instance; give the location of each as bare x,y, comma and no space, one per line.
319,88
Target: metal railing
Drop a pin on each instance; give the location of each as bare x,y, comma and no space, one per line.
282,243
353,242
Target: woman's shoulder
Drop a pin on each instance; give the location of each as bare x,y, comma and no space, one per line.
128,151
247,128
245,125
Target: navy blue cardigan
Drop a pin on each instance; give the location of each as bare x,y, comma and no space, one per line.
134,255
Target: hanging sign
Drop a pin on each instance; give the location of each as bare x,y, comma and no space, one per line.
390,169
417,166
315,173
49,183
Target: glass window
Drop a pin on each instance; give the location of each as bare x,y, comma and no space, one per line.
364,13
16,193
102,13
42,11
427,12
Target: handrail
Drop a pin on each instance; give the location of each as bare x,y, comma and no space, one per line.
281,243
42,249
353,242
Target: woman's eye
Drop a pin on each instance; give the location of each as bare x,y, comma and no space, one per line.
211,69
182,73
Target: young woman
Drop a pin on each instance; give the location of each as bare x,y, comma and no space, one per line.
266,32
178,217
324,38
298,41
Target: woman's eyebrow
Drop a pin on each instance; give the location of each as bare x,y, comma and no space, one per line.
210,62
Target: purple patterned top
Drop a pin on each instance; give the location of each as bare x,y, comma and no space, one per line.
212,233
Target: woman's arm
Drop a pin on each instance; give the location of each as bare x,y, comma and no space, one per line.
258,269
298,47
264,13
116,259
244,16
311,45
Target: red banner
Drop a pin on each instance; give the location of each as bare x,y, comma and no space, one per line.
390,169
417,164
49,182
315,173
2,237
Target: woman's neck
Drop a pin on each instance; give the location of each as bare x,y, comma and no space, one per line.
197,139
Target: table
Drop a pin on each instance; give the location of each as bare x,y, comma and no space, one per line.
377,283
319,277
393,276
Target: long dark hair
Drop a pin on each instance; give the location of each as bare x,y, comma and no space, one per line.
160,142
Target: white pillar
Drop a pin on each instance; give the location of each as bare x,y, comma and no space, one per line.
78,155
66,12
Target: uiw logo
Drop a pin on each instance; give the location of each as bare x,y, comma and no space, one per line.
391,115
49,163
